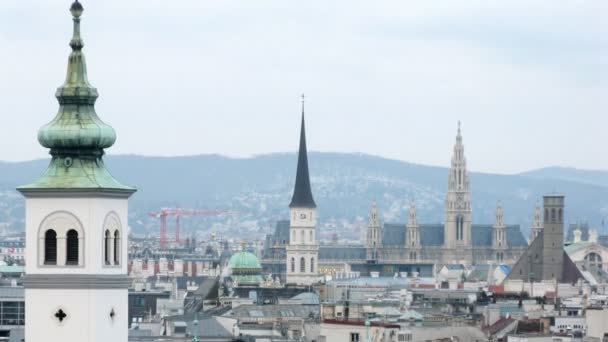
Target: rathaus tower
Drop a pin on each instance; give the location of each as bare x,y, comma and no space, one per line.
303,250
76,283
457,226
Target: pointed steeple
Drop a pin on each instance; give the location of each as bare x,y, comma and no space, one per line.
302,193
76,136
499,215
412,221
538,223
373,215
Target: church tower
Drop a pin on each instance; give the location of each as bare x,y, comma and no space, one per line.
553,237
374,234
76,284
457,229
303,250
413,233
537,225
499,234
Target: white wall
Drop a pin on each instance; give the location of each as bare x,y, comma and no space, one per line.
88,315
91,212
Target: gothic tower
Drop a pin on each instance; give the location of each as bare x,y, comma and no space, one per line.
499,234
374,234
553,237
303,250
537,225
413,233
457,229
76,222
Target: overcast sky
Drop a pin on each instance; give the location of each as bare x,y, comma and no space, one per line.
528,79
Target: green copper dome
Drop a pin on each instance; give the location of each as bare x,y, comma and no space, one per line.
244,261
76,126
76,136
246,269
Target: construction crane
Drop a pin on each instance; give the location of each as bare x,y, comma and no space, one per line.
178,212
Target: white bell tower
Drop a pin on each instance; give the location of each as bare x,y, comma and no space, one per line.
76,284
303,250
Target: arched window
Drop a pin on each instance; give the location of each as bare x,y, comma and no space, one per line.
302,265
107,247
553,215
560,215
293,265
72,248
302,237
116,248
311,236
50,247
546,215
312,265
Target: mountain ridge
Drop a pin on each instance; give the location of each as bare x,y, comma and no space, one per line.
344,185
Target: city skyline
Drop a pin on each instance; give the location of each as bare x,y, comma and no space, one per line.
527,89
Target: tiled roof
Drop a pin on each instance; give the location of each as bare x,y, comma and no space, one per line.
433,235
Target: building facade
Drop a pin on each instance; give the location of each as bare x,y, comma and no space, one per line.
76,279
413,247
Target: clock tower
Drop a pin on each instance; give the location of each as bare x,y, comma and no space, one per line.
457,226
303,250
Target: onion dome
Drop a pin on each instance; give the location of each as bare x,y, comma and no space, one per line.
76,129
76,136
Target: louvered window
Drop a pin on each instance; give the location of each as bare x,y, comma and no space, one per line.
50,247
72,248
107,247
116,248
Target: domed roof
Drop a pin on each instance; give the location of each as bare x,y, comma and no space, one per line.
244,260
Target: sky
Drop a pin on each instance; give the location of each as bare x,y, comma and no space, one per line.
527,79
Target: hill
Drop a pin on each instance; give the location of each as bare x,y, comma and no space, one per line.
344,185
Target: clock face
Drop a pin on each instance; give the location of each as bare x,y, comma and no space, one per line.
460,198
303,216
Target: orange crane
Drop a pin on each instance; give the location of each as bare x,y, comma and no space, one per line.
178,212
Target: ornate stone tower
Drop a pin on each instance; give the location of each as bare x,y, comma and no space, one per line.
457,227
413,233
374,234
76,222
537,224
553,237
303,250
499,234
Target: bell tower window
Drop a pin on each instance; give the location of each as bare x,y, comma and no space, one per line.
107,247
50,247
116,248
72,248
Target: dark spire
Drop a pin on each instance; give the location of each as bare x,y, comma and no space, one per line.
302,195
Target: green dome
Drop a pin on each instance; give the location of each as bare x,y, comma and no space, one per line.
244,261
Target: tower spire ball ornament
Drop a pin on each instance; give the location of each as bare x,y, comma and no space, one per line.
76,136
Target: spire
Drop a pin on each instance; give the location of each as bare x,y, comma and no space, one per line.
302,194
459,135
537,223
373,215
76,130
76,136
499,215
412,221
